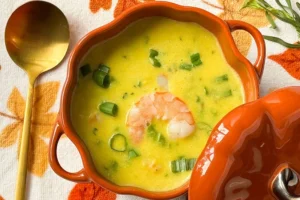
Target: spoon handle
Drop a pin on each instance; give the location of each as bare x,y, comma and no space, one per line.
23,155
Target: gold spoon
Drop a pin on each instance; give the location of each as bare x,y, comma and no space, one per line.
37,38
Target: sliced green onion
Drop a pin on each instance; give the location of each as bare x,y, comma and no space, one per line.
227,93
95,130
182,164
109,108
132,154
85,69
191,163
204,126
153,53
186,66
280,41
161,139
156,136
104,68
155,62
298,5
139,84
222,78
101,78
206,92
271,20
125,95
118,142
114,165
198,99
195,59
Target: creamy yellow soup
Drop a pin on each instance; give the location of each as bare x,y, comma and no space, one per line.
208,87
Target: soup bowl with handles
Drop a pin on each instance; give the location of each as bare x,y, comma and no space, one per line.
249,74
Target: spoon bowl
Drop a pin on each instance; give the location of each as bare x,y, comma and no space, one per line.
37,36
36,39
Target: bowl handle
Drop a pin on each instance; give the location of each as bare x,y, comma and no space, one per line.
79,176
259,40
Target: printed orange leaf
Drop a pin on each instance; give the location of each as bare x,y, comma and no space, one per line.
9,134
90,191
96,5
232,11
122,5
44,97
13,106
42,122
290,61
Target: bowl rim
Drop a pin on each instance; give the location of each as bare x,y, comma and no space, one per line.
67,92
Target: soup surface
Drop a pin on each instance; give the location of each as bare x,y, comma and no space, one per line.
171,84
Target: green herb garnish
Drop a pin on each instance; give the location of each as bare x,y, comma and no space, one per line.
104,68
152,58
109,108
226,93
132,154
155,135
195,59
85,70
186,66
95,130
101,78
153,53
204,126
118,142
206,92
182,164
222,78
125,95
155,62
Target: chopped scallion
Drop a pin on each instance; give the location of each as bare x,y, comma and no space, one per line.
153,53
195,59
186,66
155,62
114,165
85,70
182,164
104,68
156,136
125,95
101,78
191,163
222,78
109,108
118,142
95,130
132,154
227,93
204,126
206,92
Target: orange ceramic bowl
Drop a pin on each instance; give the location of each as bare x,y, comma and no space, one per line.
249,148
250,75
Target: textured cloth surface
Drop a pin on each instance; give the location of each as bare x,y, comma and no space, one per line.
282,69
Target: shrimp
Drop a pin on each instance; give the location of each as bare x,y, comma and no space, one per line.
164,106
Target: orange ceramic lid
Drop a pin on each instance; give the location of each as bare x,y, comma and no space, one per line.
248,148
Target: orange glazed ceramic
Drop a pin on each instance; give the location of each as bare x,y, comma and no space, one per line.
248,148
250,76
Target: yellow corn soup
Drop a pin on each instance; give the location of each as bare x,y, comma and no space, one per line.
152,55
